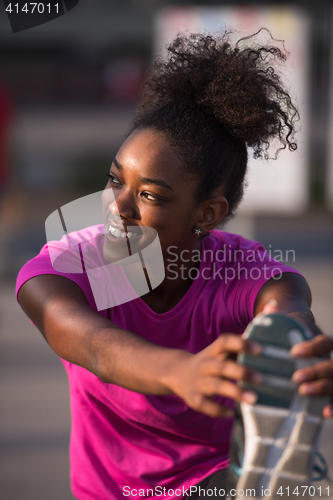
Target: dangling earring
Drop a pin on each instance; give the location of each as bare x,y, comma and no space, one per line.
197,231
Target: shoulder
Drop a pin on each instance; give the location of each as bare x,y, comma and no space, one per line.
231,247
240,268
65,257
220,238
70,245
73,237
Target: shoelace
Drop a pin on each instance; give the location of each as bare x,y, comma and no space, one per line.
320,467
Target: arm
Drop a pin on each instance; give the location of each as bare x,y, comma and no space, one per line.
291,295
59,308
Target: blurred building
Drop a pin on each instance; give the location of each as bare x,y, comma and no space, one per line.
75,81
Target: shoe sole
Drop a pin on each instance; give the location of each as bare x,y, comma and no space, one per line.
282,429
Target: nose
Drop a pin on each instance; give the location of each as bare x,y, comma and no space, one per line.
123,205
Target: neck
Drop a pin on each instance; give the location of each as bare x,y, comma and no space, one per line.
177,281
178,264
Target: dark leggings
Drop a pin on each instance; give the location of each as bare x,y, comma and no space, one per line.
211,486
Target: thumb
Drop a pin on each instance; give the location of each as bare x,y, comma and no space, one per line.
270,307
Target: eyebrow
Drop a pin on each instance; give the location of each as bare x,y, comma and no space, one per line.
157,182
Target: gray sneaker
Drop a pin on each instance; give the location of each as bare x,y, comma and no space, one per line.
282,428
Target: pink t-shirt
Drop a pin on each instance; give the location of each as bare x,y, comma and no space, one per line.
123,441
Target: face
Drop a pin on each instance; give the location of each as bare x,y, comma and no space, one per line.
148,191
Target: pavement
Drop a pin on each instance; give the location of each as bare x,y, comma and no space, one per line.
35,416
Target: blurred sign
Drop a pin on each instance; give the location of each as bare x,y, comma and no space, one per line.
274,186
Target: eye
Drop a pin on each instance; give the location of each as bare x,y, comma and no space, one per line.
113,179
150,197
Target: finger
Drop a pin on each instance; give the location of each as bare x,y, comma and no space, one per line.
209,407
232,370
328,411
323,369
322,387
318,346
233,343
213,386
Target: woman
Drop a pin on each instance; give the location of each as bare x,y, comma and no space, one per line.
152,380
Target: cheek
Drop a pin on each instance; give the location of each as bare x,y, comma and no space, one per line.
172,220
154,216
175,234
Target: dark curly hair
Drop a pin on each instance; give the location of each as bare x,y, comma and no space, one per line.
212,99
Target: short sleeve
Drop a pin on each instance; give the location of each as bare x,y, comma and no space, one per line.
41,265
246,268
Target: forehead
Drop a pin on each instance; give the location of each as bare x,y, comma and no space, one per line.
149,154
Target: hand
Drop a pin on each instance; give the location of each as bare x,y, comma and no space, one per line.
200,377
316,380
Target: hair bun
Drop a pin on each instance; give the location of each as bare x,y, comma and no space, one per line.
237,86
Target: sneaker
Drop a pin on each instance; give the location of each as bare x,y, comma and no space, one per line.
282,428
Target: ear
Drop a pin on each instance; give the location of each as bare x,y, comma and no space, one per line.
213,211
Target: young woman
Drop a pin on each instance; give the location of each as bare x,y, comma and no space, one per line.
152,380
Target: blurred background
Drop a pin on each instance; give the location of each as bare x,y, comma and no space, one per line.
68,90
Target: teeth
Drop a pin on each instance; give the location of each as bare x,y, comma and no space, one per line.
119,234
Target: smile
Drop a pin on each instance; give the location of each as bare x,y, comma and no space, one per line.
119,234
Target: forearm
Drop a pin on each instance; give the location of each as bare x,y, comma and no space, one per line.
123,358
81,336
